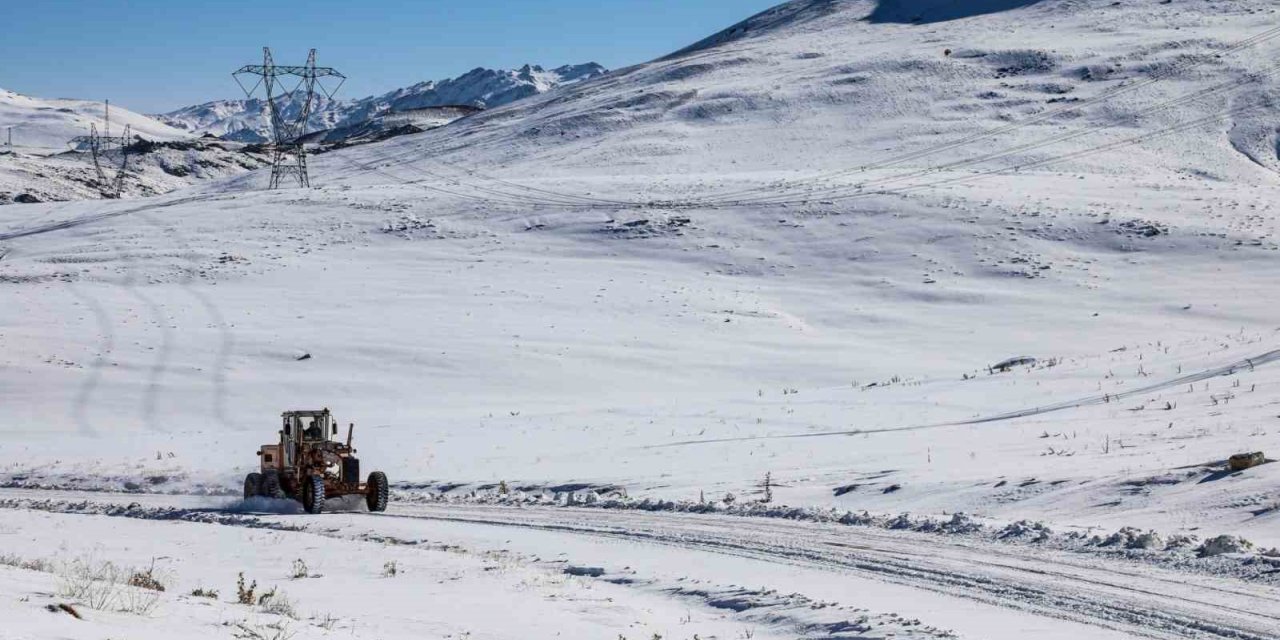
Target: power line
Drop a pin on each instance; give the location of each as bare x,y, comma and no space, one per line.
110,154
288,154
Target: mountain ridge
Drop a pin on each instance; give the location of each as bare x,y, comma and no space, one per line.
244,120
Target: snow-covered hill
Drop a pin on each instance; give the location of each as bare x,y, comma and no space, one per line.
796,248
875,262
153,168
40,165
245,120
42,123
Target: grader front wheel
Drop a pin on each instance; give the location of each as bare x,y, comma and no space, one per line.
377,491
313,494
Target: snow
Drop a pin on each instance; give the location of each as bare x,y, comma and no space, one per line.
440,591
48,124
246,121
666,279
152,169
40,166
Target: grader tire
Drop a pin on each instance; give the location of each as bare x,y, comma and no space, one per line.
271,485
376,491
252,485
313,494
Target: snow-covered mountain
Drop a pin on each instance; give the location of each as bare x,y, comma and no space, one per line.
48,123
245,120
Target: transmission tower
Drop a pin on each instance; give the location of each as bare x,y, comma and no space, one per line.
108,152
288,110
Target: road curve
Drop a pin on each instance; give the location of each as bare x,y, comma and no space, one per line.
1119,595
1114,594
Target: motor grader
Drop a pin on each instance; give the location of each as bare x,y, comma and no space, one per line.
310,465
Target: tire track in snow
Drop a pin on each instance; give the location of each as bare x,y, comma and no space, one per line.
106,322
157,318
792,611
227,341
1191,378
106,346
160,367
1030,583
98,217
1156,603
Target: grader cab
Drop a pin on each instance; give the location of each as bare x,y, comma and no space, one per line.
310,465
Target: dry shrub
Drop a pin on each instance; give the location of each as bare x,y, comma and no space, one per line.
105,586
18,562
245,594
146,579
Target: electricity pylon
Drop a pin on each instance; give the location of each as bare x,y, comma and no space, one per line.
108,152
288,155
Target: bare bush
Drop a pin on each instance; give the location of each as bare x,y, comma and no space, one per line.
273,631
146,579
201,592
139,601
105,586
390,569
327,622
245,594
277,603
92,584
18,562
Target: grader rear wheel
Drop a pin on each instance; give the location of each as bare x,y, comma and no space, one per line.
271,485
252,485
376,491
313,494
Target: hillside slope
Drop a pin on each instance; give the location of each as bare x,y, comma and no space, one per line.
774,253
40,123
817,83
41,166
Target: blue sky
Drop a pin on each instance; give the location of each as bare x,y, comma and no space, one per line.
158,55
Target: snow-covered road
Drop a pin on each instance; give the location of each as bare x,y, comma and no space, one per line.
972,587
1097,592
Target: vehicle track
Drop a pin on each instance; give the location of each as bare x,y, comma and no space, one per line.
1128,597
1229,369
1154,603
110,213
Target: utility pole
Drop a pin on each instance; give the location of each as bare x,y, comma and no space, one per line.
288,155
108,152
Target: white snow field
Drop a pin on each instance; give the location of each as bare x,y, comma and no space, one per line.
47,124
796,250
40,166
